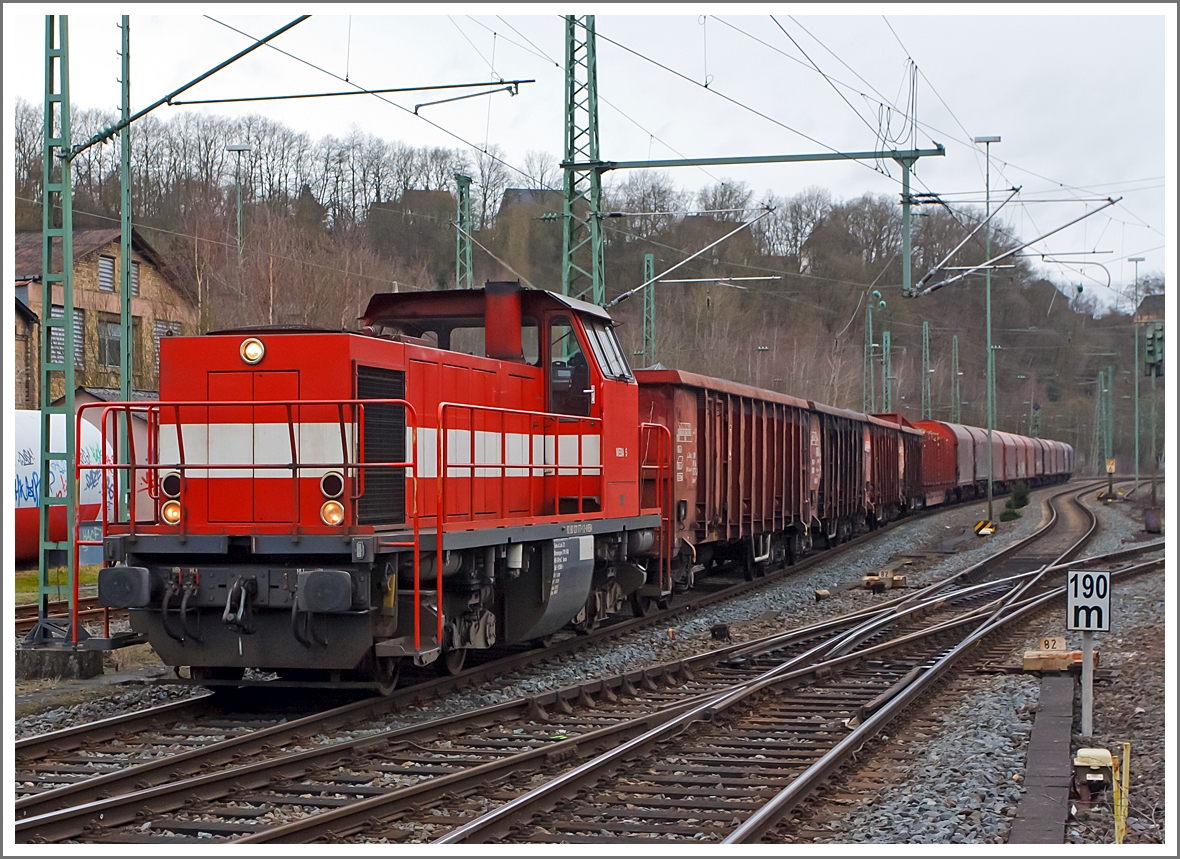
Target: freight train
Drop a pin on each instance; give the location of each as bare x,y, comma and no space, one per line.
475,468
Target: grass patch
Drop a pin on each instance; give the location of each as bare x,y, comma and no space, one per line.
59,580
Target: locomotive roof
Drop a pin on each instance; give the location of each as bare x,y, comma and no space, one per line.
463,303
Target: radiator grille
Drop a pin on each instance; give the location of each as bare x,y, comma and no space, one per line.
384,501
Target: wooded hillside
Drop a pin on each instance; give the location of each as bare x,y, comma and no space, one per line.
328,222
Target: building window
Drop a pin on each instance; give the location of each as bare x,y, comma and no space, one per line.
134,279
162,328
57,341
108,340
106,274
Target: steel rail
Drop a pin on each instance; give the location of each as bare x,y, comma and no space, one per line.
533,800
649,728
767,817
68,738
72,822
158,771
1010,609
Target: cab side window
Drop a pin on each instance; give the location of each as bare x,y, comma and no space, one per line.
569,375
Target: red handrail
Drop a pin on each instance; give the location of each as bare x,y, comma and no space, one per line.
663,488
110,467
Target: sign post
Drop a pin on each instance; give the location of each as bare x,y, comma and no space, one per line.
1087,607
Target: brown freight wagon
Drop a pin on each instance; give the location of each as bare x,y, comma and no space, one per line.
845,462
743,484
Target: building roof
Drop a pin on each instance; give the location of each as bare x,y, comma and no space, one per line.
1151,308
111,395
416,200
23,310
545,198
28,252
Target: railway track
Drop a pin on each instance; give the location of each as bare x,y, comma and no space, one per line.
335,780
88,610
60,768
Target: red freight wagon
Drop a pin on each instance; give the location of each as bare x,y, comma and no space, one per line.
743,487
929,463
979,437
1011,454
1038,455
951,461
1054,458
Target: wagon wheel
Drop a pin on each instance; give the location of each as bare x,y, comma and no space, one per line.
388,672
452,661
643,606
586,620
545,641
664,603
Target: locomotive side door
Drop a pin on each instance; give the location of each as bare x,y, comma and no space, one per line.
618,403
571,390
588,377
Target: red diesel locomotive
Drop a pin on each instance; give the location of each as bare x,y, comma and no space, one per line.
471,468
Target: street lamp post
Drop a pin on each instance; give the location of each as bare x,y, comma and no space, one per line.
987,142
239,148
1135,372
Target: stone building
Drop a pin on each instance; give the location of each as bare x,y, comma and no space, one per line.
159,305
25,358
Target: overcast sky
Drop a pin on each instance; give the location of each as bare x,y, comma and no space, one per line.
1084,103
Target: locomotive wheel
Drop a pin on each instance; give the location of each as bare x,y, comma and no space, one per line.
387,674
643,606
452,661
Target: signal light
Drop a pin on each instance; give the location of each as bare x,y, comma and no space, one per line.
1154,354
332,484
171,512
332,513
252,350
170,484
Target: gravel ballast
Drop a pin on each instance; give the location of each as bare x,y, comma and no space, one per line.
988,727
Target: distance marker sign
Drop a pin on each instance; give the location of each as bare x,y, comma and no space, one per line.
1087,601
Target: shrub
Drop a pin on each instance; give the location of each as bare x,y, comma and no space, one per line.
1008,515
1019,494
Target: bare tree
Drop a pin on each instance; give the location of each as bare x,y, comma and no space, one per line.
491,178
542,169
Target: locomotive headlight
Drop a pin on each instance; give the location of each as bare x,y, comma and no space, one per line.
332,484
252,350
171,512
170,484
332,512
